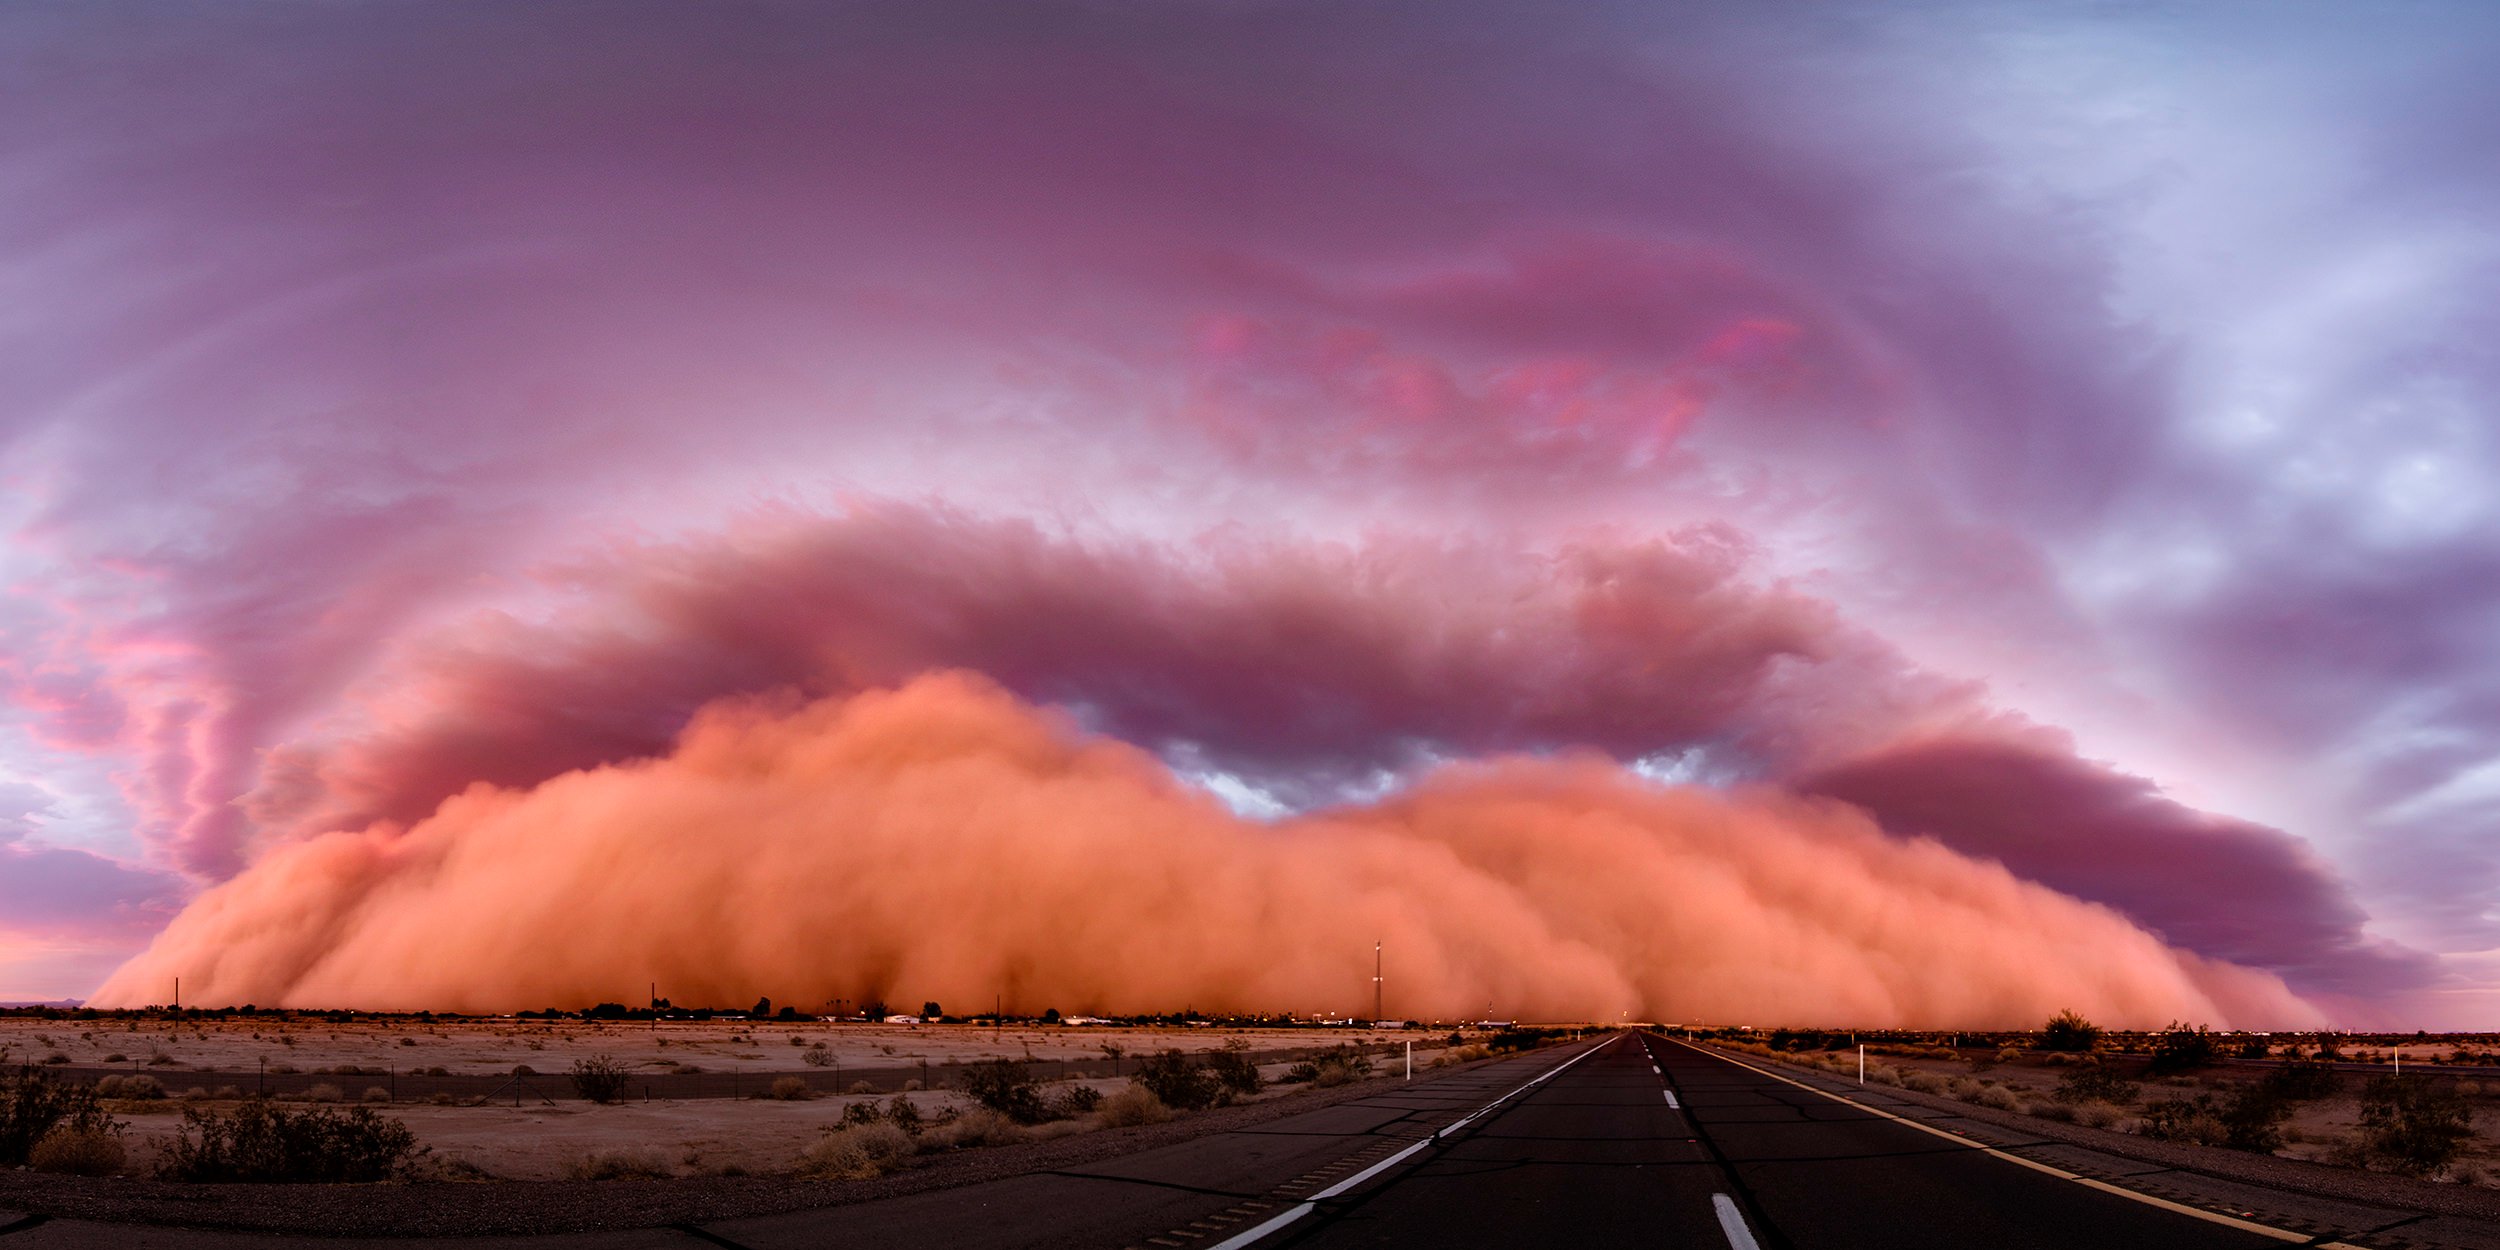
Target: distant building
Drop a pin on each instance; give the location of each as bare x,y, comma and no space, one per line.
902,1020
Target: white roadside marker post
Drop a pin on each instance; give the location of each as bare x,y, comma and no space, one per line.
1410,1059
1861,1063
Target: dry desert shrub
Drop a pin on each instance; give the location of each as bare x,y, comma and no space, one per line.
1925,1082
262,1142
857,1152
1234,1070
78,1152
790,1089
599,1078
2096,1114
977,1127
33,1105
2001,1098
1074,1101
2413,1127
1006,1087
620,1165
131,1087
902,1113
1133,1106
377,1093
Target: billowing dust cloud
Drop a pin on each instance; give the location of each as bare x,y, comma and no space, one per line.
944,841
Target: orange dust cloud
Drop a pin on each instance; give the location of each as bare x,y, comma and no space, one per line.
943,840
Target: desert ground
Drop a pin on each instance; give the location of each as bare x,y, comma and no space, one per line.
482,1046
2321,1130
200,1063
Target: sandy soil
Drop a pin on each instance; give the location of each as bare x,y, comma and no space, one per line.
490,1046
2316,1132
539,1141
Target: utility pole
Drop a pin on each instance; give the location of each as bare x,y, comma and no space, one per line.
1376,1017
177,993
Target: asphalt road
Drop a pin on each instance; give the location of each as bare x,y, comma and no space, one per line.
1655,1141
1636,1138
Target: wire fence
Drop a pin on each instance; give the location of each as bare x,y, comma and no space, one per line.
652,1082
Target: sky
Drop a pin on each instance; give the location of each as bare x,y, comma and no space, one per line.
1617,471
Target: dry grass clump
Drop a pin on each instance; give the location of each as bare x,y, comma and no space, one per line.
620,1165
859,1152
790,1089
1461,1054
137,1088
978,1127
78,1152
1133,1106
325,1092
2002,1098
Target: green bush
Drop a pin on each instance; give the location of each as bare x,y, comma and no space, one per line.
1233,1069
2303,1080
2413,1126
2070,1033
1004,1086
901,1113
33,1104
2094,1082
2253,1119
599,1078
2182,1049
262,1142
2196,1120
1176,1082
